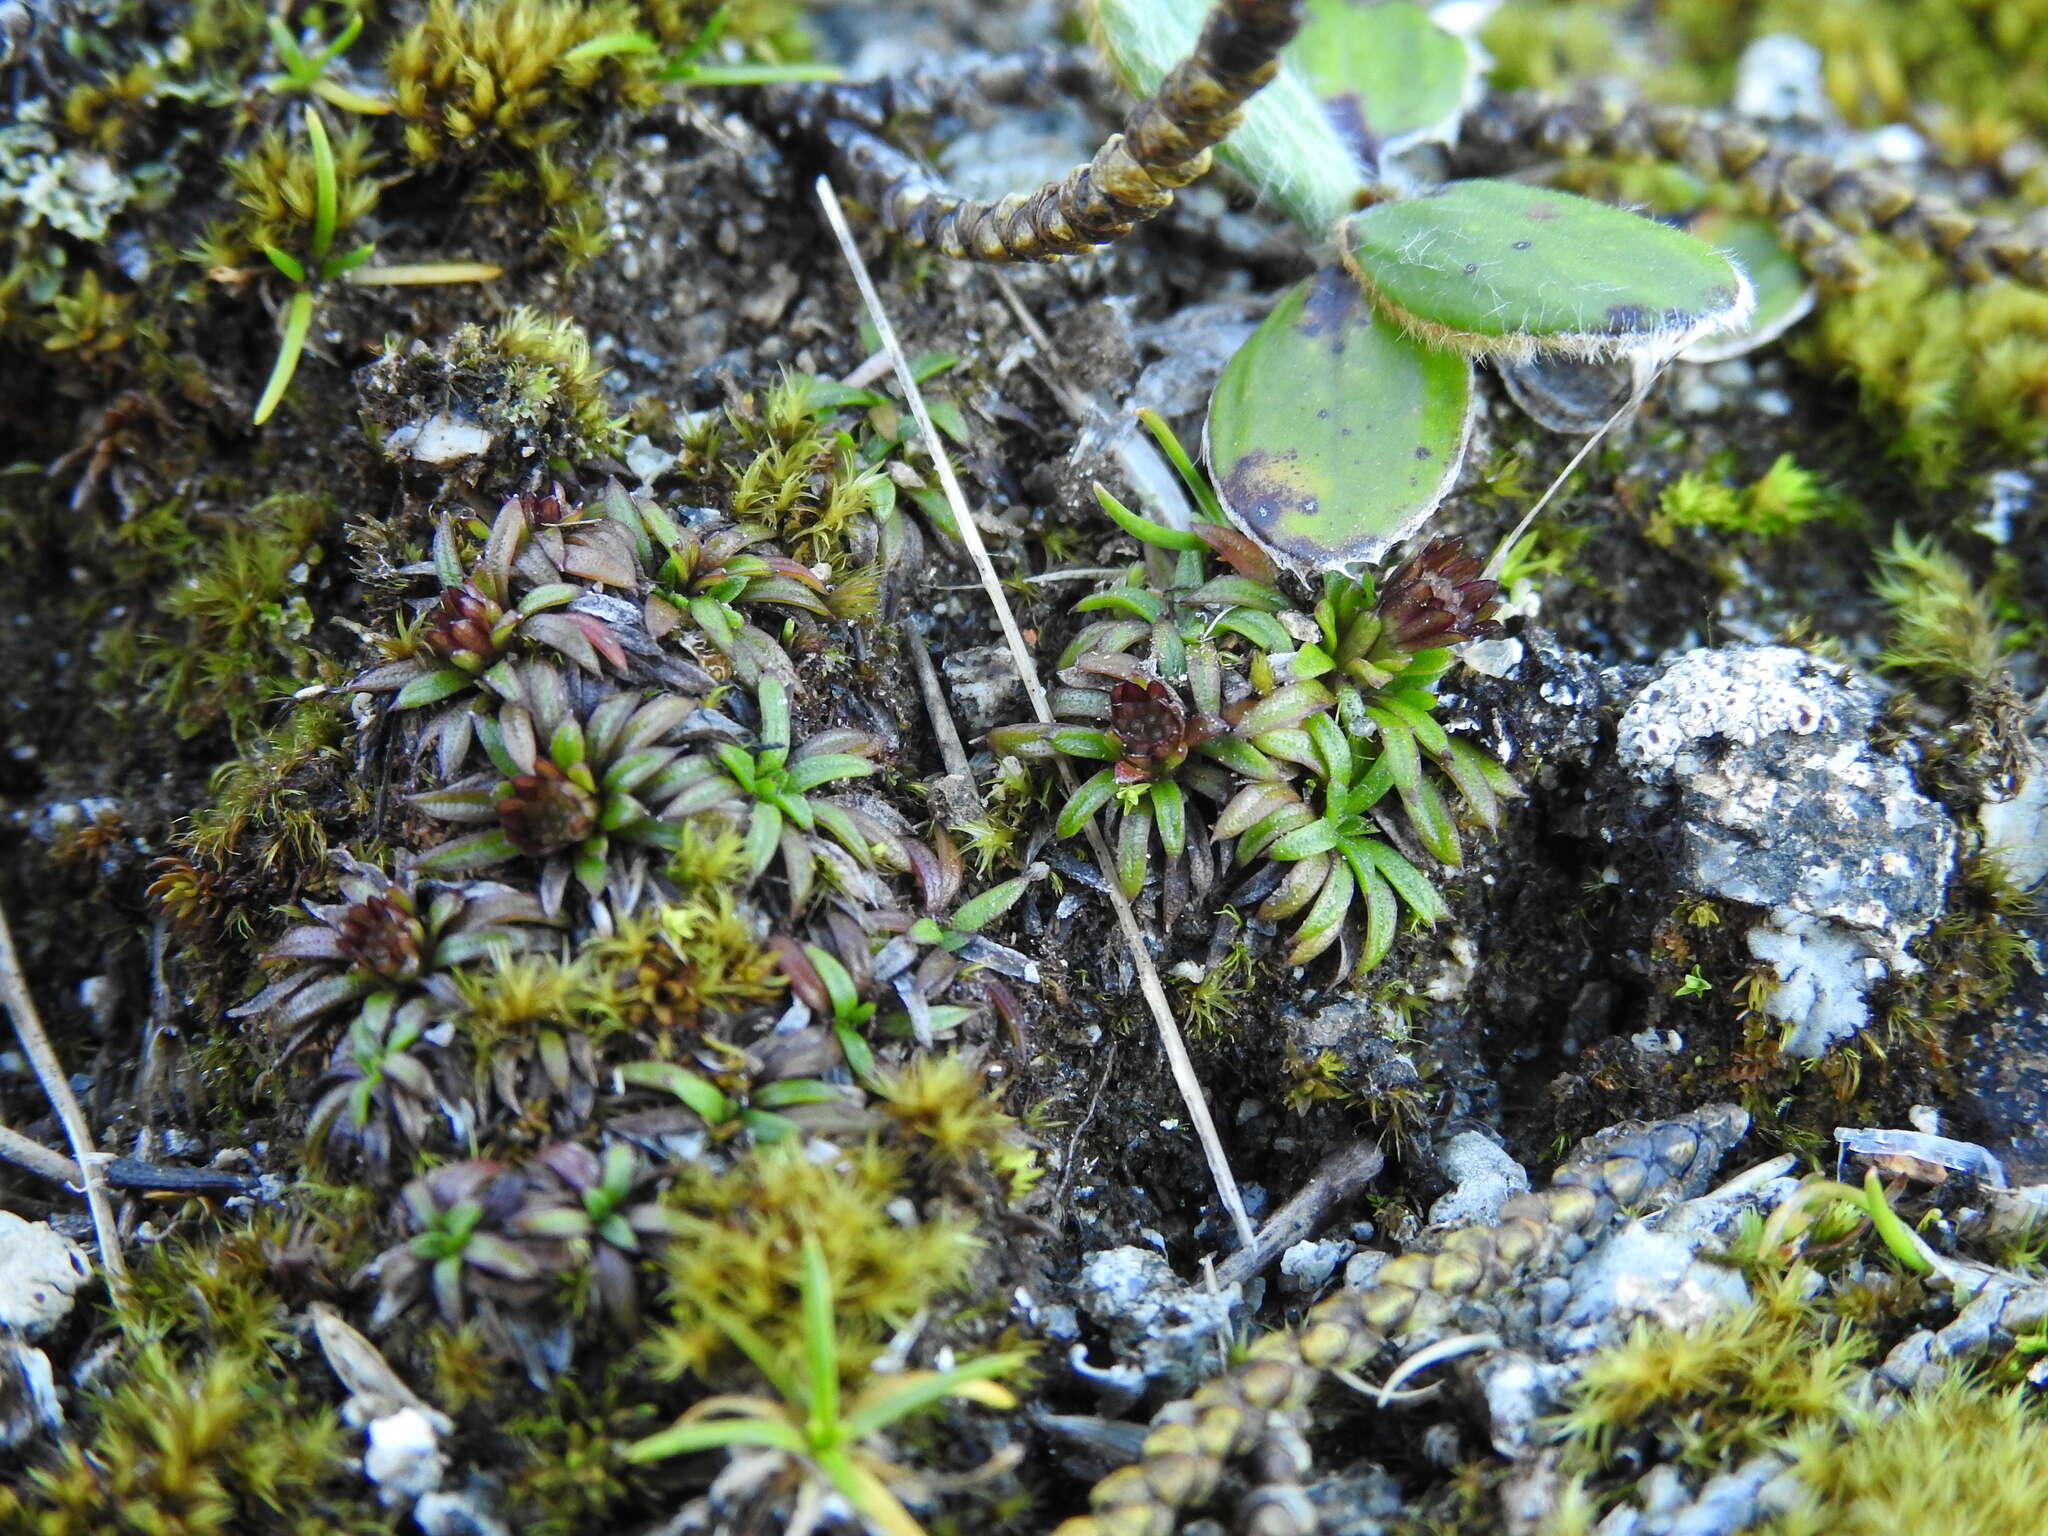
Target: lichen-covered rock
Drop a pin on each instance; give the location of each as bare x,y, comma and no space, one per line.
40,1268
1782,802
1166,1329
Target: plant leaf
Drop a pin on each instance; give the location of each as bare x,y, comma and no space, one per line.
1383,72
1332,434
1784,293
1499,267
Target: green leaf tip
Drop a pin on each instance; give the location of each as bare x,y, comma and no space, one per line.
1497,268
1332,434
1386,74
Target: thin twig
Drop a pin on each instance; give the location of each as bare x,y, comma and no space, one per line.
1340,1175
1127,920
28,1027
24,1152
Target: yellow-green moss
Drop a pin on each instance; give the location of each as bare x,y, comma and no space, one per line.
1961,1459
741,1234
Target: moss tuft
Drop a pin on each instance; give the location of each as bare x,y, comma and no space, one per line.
739,1237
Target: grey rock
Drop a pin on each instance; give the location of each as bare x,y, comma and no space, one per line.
28,1395
1641,1273
1782,802
1778,79
1168,1330
983,685
1358,1501
1522,1393
40,1269
1307,1266
1485,1177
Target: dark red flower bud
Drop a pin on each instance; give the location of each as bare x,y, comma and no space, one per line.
543,812
1151,725
458,628
545,511
382,935
1437,598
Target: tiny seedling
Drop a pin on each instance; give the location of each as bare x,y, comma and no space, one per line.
322,263
305,66
810,1419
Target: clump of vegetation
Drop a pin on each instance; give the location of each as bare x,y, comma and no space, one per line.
1945,628
1297,742
782,465
236,628
1784,499
1941,366
740,1237
1720,1390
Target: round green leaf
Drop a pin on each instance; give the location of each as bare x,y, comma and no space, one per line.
1285,147
1385,72
1332,434
1784,295
1496,267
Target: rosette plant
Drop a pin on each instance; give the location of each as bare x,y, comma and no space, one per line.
380,1090
579,791
709,578
594,1207
1158,744
400,938
504,605
458,1250
767,789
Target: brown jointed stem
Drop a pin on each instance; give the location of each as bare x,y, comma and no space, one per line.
1164,145
1253,1408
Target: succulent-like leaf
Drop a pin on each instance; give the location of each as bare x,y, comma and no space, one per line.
1386,73
1285,147
1503,268
430,688
1319,930
1134,848
1081,806
1784,293
1332,434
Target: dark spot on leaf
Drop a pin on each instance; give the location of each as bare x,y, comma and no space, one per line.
1471,268
1722,296
1323,414
1628,319
1421,452
1521,245
1262,488
1332,301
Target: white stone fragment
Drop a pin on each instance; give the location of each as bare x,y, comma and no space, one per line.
443,438
404,1457
1485,1177
40,1268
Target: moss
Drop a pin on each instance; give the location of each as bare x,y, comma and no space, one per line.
1715,1392
781,464
1944,627
274,185
230,633
271,809
1962,1458
947,1116
202,1426
516,73
739,1235
529,380
1780,502
1942,367
666,967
